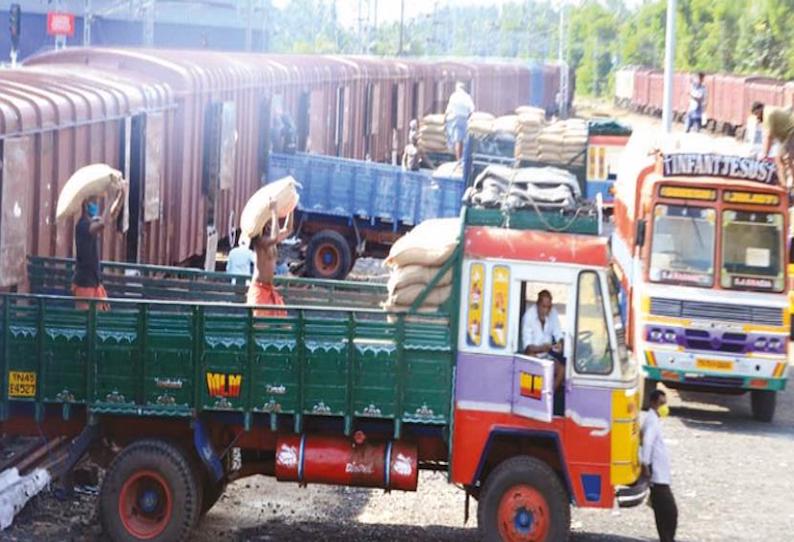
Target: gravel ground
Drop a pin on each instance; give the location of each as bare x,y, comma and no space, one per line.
733,479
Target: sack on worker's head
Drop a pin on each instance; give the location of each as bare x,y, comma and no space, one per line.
256,212
86,182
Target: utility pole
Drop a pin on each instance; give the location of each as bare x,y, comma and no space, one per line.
561,56
669,61
266,10
148,23
249,25
88,18
402,25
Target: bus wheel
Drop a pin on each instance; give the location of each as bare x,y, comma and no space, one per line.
328,256
523,501
763,404
149,493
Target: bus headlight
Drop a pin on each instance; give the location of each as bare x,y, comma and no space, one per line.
760,343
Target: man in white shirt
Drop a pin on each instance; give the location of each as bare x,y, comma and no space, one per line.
241,261
656,465
697,103
459,109
541,336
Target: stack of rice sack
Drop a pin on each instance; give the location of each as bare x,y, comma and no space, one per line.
574,144
415,259
530,124
481,124
563,142
432,134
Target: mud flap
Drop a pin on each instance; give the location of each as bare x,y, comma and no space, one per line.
206,452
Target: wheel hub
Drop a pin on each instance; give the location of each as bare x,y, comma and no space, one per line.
145,504
523,515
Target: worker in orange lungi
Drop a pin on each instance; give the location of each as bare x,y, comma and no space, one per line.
262,291
87,280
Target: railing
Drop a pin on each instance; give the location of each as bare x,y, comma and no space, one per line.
139,281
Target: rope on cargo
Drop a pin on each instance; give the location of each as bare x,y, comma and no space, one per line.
505,210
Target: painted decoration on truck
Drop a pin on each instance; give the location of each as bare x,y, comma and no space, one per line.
499,304
531,385
224,385
474,317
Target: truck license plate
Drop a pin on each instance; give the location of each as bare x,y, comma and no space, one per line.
714,364
21,384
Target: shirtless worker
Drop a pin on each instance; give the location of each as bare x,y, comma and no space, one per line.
262,291
87,280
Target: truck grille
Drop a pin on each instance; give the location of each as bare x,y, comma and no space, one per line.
677,308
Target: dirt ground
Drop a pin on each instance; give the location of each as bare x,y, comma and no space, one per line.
733,479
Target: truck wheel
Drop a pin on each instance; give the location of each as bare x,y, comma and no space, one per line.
523,501
149,493
328,256
648,386
763,404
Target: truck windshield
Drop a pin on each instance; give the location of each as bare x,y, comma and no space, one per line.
752,251
682,247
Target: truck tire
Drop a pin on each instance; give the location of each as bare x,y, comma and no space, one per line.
328,256
523,500
763,404
149,492
648,386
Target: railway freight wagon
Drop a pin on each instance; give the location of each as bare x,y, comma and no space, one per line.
192,130
729,96
54,120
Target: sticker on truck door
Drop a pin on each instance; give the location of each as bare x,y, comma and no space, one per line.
499,304
475,301
21,384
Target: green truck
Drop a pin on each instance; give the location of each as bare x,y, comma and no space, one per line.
179,389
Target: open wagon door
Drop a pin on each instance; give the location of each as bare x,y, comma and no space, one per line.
533,381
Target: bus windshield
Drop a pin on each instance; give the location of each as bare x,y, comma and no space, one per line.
682,247
752,251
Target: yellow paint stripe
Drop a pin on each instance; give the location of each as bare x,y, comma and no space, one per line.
765,329
650,358
667,320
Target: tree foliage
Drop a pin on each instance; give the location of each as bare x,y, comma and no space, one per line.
741,36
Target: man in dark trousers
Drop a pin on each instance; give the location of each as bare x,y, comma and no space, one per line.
87,281
656,465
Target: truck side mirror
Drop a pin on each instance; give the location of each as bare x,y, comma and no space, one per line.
639,235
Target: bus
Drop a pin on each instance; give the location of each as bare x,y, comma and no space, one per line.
700,248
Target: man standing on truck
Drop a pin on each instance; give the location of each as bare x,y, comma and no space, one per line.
459,109
262,291
697,103
541,336
779,128
87,280
656,466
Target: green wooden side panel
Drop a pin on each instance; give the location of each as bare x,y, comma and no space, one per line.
155,358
